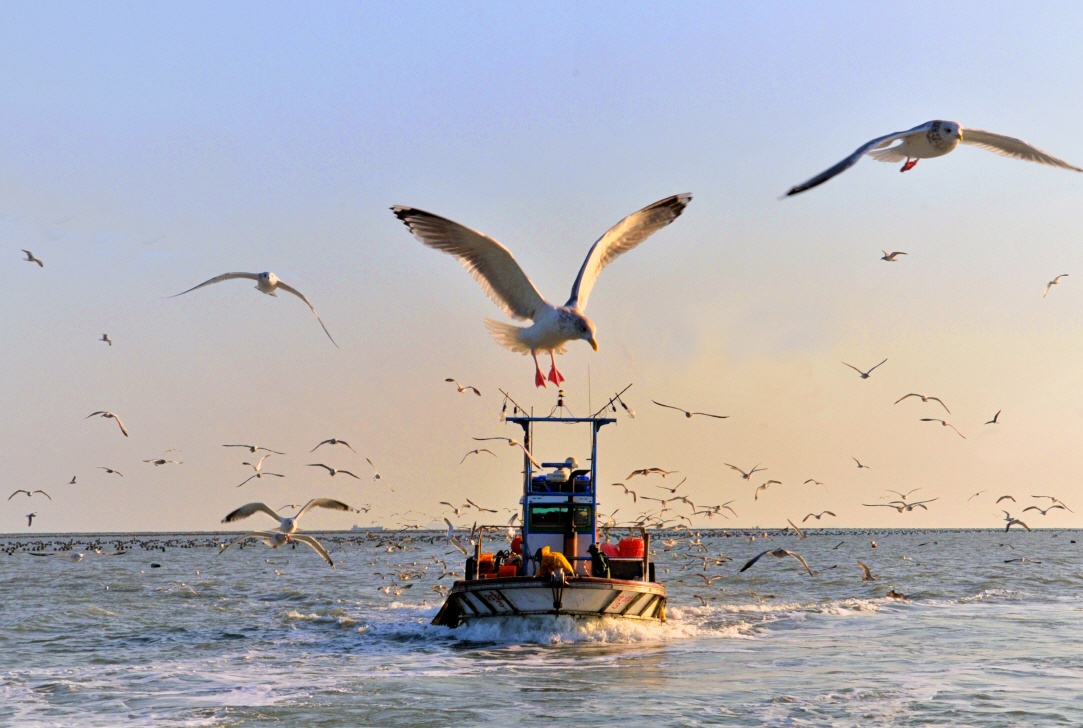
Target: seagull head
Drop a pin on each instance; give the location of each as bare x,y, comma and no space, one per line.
584,328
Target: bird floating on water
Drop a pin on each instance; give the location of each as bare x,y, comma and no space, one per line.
934,139
496,270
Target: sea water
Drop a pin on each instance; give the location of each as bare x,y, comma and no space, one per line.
258,637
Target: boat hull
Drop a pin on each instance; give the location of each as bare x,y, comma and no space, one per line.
584,597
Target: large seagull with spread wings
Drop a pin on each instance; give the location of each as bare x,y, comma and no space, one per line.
495,269
934,139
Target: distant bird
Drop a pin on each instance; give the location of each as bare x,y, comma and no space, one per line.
745,475
111,416
1052,283
1014,522
333,441
690,414
31,259
756,495
259,475
648,471
1053,499
478,451
458,510
902,506
1022,560
29,493
896,595
864,375
780,553
975,495
708,580
259,465
106,339
866,575
891,257
30,519
903,495
265,283
72,480
450,530
859,465
1043,512
817,516
703,600
925,399
672,490
111,471
376,475
494,268
628,491
332,471
163,461
512,443
794,527
934,139
994,420
462,389
479,508
254,448
944,424
1005,497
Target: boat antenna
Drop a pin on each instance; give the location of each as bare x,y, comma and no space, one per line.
516,407
612,403
560,405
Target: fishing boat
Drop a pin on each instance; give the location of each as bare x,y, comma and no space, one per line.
549,568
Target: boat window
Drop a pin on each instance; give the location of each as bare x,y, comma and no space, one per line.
555,518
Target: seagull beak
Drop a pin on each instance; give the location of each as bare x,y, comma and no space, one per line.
960,134
593,343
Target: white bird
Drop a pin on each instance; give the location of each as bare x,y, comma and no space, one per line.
332,471
265,283
450,530
780,553
29,494
512,443
461,388
892,257
258,466
478,451
259,475
287,527
495,269
745,475
924,399
333,441
376,474
106,339
934,139
111,416
31,259
1052,283
864,375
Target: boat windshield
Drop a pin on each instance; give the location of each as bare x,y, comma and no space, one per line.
556,518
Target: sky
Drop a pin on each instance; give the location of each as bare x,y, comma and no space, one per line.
145,148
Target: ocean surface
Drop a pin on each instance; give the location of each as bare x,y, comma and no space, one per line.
260,637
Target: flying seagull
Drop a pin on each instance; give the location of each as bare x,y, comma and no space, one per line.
111,471
745,475
163,461
924,399
111,416
495,269
512,443
817,516
995,417
1052,283
864,375
333,441
332,471
648,471
376,475
265,283
461,388
934,139
29,494
106,339
31,259
892,257
30,519
1005,497
859,464
690,414
944,424
765,486
780,553
478,451
866,575
253,448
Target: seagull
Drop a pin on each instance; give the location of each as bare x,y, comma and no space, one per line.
30,519
780,553
29,494
1052,283
709,580
72,480
800,534
333,441
332,471
31,259
453,508
259,475
859,465
672,490
864,375
648,471
495,269
690,414
756,495
163,461
108,415
461,388
287,527
1053,499
944,424
745,475
902,495
891,257
924,399
1013,522
253,448
258,466
265,283
934,139
478,451
817,516
866,575
1022,560
376,475
106,339
1005,497
1043,512
511,443
111,471
994,420
975,496
628,491
901,506
480,509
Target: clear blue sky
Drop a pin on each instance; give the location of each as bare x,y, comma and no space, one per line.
147,147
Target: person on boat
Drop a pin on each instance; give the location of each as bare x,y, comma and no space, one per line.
550,561
599,562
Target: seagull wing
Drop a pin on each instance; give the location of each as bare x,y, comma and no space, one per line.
294,291
347,472
490,263
249,478
315,545
850,161
248,509
803,562
219,279
622,237
122,428
321,503
321,465
912,394
871,370
254,534
667,406
937,399
17,493
1007,146
754,559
